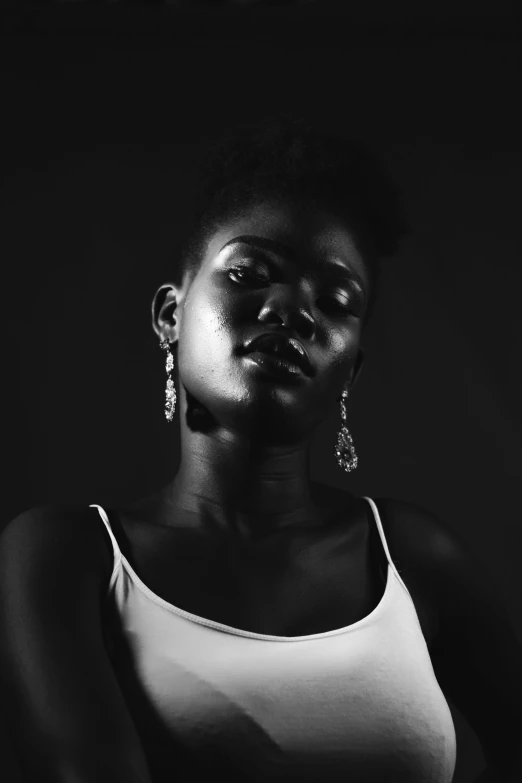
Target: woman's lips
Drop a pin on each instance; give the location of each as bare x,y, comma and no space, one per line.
284,347
276,365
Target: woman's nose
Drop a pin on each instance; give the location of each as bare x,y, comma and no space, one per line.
288,307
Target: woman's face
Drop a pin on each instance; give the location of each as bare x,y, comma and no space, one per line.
302,289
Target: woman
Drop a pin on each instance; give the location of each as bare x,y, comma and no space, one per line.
246,621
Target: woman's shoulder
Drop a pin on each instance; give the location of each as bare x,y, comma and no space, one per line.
46,521
428,553
57,538
417,535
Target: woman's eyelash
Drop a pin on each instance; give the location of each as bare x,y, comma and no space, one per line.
245,270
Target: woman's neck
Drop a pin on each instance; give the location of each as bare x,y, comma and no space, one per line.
250,494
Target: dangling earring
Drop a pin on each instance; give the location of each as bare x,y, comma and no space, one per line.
344,449
170,391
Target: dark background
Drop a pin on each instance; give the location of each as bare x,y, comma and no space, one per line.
104,107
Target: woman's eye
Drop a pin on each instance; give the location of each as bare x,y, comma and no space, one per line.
243,272
345,305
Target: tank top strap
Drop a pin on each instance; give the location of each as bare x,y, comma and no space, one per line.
115,548
384,542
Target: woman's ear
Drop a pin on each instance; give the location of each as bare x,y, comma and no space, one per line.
164,304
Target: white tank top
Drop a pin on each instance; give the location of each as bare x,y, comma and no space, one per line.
359,703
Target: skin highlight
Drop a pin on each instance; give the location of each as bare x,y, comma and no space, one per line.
246,435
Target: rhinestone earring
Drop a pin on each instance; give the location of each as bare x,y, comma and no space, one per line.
344,450
170,391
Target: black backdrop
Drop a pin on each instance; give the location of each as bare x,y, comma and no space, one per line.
104,109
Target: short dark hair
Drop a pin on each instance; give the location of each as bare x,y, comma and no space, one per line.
284,157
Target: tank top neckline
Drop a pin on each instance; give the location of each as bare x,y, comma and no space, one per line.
122,560
252,634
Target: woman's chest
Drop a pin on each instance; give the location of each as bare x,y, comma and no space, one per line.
292,587
295,585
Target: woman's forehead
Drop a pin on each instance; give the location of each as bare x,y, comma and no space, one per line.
306,232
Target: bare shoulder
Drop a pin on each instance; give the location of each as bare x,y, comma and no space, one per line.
419,537
67,715
49,536
426,549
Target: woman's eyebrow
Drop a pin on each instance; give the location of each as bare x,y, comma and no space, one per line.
335,268
262,243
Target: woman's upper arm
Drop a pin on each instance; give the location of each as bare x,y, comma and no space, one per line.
476,655
478,658
62,701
